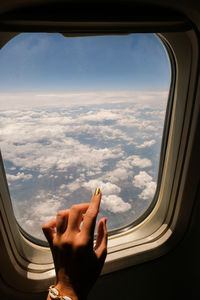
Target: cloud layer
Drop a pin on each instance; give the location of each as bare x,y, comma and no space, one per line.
56,156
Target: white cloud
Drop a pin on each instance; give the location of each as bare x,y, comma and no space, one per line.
63,146
35,213
45,210
19,176
58,152
119,174
146,144
107,132
140,162
73,186
40,176
150,127
144,180
132,121
107,188
42,100
115,204
134,161
110,201
139,124
100,116
63,186
149,191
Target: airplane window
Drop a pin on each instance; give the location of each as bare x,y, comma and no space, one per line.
80,113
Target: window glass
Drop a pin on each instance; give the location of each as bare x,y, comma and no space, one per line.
80,113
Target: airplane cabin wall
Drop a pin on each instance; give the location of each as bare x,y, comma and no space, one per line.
174,275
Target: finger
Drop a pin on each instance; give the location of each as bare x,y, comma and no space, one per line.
91,215
49,230
61,221
76,216
102,239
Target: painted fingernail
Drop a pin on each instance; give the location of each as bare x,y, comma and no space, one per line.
97,191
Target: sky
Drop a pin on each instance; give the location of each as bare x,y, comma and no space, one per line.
81,113
40,62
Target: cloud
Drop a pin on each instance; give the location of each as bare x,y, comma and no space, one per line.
144,180
140,162
139,124
68,150
100,116
134,161
110,201
143,99
117,175
107,188
73,186
53,150
114,204
146,144
149,191
35,213
106,132
19,176
45,210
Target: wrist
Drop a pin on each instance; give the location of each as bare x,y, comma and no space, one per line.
65,290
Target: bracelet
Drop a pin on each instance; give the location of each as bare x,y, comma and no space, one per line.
54,294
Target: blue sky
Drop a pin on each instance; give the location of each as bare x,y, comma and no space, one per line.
40,62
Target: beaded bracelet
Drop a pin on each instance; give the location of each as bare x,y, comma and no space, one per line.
54,294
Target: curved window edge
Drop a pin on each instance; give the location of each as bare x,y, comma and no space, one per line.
155,235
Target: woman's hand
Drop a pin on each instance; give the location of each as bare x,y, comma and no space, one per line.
77,262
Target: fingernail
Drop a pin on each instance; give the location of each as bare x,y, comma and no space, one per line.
97,191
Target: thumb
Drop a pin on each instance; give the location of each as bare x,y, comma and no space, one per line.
102,239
